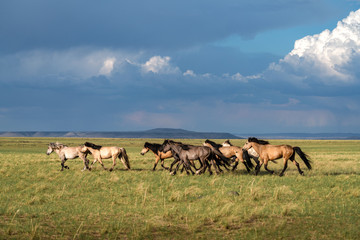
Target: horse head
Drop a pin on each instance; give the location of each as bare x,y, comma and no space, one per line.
166,145
247,145
53,146
145,149
50,148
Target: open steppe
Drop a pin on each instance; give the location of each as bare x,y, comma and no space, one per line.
38,201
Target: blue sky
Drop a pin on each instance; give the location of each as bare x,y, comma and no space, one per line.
250,66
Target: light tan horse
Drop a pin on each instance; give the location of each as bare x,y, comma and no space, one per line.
252,153
64,152
230,151
159,155
100,153
270,152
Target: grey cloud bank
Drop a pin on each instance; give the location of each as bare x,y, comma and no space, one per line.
72,66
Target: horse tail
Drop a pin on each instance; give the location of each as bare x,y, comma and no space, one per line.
303,156
125,158
246,156
220,155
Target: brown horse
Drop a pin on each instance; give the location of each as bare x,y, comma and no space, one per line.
100,153
270,152
230,151
159,155
64,152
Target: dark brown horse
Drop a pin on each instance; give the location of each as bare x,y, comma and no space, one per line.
159,155
188,153
270,152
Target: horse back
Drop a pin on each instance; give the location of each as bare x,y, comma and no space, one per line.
71,152
108,152
277,151
195,152
164,155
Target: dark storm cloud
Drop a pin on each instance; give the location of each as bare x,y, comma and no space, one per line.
144,24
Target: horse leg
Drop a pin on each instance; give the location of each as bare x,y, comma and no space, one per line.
157,158
298,167
162,164
256,159
114,162
216,166
192,163
201,169
208,165
235,165
86,163
63,164
266,168
95,160
100,161
257,169
246,166
177,167
173,163
285,166
226,167
187,167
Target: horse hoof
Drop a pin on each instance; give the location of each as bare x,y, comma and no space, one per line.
172,173
110,170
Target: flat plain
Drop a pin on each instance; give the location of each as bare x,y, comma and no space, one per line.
38,201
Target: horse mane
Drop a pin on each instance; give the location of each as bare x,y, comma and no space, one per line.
57,145
180,144
152,146
228,142
168,141
215,145
259,141
93,146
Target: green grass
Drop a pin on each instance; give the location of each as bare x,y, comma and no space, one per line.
37,201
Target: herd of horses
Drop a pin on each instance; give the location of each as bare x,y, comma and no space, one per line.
209,155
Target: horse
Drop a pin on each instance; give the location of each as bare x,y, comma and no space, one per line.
270,152
188,153
64,152
251,152
230,151
100,152
159,155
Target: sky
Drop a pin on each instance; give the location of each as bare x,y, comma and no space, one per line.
249,66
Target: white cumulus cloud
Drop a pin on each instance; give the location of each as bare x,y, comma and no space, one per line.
107,67
330,57
158,64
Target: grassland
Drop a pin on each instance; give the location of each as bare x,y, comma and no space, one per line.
37,201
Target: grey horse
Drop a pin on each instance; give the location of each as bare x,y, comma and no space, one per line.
66,153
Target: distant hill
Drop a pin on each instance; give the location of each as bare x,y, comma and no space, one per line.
320,136
153,133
